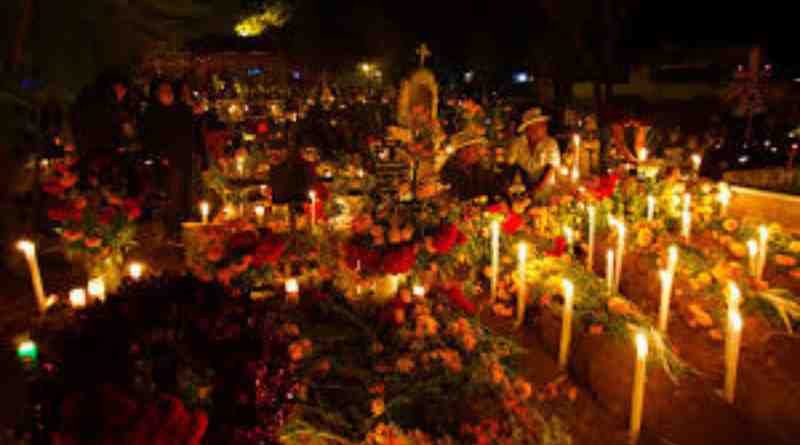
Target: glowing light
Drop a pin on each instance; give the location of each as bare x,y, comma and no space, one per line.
27,351
97,288
274,16
136,270
77,298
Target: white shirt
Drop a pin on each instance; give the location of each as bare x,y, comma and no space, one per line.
534,161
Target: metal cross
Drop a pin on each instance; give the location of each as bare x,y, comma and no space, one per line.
423,52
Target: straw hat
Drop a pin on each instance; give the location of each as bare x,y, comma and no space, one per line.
466,139
532,116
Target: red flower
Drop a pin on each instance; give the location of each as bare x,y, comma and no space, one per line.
132,208
559,247
512,223
399,260
262,127
269,251
448,237
59,213
603,188
455,294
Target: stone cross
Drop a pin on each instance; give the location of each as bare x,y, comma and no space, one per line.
423,52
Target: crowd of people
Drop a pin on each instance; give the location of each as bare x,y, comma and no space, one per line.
154,138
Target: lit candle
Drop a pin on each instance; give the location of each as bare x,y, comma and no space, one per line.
292,291
697,160
569,236
27,351
29,249
643,153
724,198
763,236
260,213
495,234
135,271
313,196
590,255
97,289
205,209
672,259
566,323
651,207
240,165
639,378
687,202
732,347
522,256
620,253
752,250
610,270
77,298
734,296
666,293
418,291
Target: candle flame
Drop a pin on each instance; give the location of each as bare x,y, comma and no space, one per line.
27,247
291,286
419,291
136,270
77,298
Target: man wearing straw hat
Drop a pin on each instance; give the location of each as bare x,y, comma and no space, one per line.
467,176
534,151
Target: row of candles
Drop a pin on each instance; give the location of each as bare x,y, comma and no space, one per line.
613,273
95,288
258,210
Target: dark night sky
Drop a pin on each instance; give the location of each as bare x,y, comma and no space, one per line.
460,30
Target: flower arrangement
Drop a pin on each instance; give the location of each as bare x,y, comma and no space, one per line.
96,226
426,370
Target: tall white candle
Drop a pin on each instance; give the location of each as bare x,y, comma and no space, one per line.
734,296
522,296
566,323
495,241
619,254
637,396
672,259
666,293
592,223
29,249
752,252
313,196
610,265
732,347
686,225
724,198
569,236
205,209
763,237
651,207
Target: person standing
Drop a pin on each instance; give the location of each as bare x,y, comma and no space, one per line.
168,131
535,151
